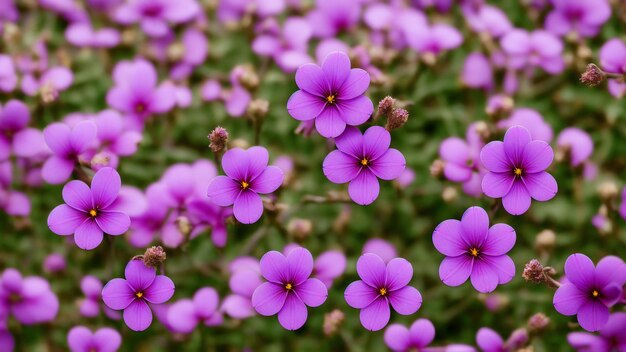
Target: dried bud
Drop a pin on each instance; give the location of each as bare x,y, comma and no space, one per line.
11,33
533,272
183,225
100,160
385,106
538,323
592,76
300,228
436,168
397,119
240,143
429,59
129,36
258,108
545,240
332,321
608,190
218,139
449,194
48,93
499,106
517,340
175,51
154,256
249,78
482,129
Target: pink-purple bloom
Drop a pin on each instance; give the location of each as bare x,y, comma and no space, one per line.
461,158
141,286
184,315
417,337
245,278
533,49
612,59
88,213
590,290
474,250
247,176
577,143
67,145
517,170
154,16
361,159
288,290
382,285
81,339
582,17
16,138
332,95
29,300
610,338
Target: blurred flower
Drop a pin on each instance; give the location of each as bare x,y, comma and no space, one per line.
533,49
517,170
400,339
431,41
154,15
384,249
332,95
141,286
537,323
487,19
67,145
590,291
288,47
81,339
474,250
210,90
530,119
361,160
328,266
218,139
330,17
610,338
83,35
245,278
461,160
583,17
332,321
184,315
381,285
477,72
612,58
29,299
289,289
8,77
16,138
576,144
54,263
490,341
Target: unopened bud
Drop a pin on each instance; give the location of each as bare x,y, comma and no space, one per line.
332,322
608,190
429,59
517,340
240,143
499,105
249,78
258,108
592,76
449,194
48,93
218,139
533,272
436,168
11,33
300,228
154,256
482,129
385,106
175,51
545,240
397,119
538,323
183,225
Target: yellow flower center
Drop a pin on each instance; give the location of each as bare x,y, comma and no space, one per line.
383,291
288,286
518,171
244,185
595,293
139,294
474,252
93,213
330,99
364,162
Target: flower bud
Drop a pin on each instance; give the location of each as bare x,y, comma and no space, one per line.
545,240
397,119
258,108
385,106
218,139
592,76
482,129
332,321
48,92
533,272
183,225
436,168
154,256
538,323
499,106
54,263
608,190
175,51
300,228
449,194
249,78
518,339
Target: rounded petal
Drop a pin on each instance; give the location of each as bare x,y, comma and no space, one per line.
329,265
340,167
329,123
113,222
181,316
497,185
448,238
57,170
541,186
389,166
299,265
274,267
484,278
503,265
336,68
372,270
268,181
489,340
235,163
494,157
376,141
568,299
244,282
351,142
360,295
223,191
610,269
109,340
303,106
117,294
357,83
500,240
376,316
138,275
593,315
454,271
160,291
537,156
28,143
355,111
77,195
293,314
79,339
422,332
517,201
138,316
475,225
258,158
310,78
398,274
269,298
406,300
64,220
238,307
397,338
580,270
312,292
105,187
83,135
88,235
515,140
454,150
206,301
364,188
57,137
248,207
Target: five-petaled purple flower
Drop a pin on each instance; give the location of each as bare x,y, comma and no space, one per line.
184,315
67,145
590,290
474,250
400,339
247,176
380,285
332,95
610,338
141,286
289,289
81,339
362,158
88,213
517,170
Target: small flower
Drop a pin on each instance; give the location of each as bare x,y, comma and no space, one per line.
141,286
474,250
67,145
288,290
517,170
332,95
247,176
400,339
332,321
382,248
245,278
583,17
381,285
16,138
611,336
577,143
397,119
29,299
490,341
361,159
590,291
184,315
461,160
54,263
88,213
81,339
329,266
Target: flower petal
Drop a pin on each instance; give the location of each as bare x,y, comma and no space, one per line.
475,225
389,166
357,83
64,220
57,170
537,156
235,164
580,271
160,291
484,278
448,238
517,201
360,295
181,316
138,275
336,67
515,140
293,314
454,271
258,158
593,315
269,298
79,338
406,300
568,299
340,167
77,195
312,292
503,266
274,267
541,186
105,187
494,158
364,188
422,332
248,207
351,142
497,185
223,191
310,78
108,339
117,294
113,222
303,106
206,301
138,316
489,340
355,111
372,270
398,274
299,265
376,316
376,141
500,239
268,181
329,122
397,338
88,235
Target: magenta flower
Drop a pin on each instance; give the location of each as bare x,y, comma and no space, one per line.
82,35
247,176
490,341
583,17
332,95
612,59
90,306
474,250
329,266
382,248
530,119
461,157
67,145
477,72
88,213
517,170
141,286
400,339
16,138
81,339
361,159
155,15
590,291
8,77
288,290
577,143
611,336
184,315
434,40
381,285
533,49
245,278
29,299
287,46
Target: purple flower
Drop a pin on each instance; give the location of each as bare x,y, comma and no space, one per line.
329,266
537,49
83,35
382,248
611,337
90,306
184,315
247,176
583,17
88,213
612,59
490,341
245,278
54,263
477,72
112,135
332,95
474,250
400,339
16,138
530,119
81,339
461,159
487,19
289,289
590,291
434,40
381,285
154,15
8,77
331,17
67,145
577,143
29,299
142,286
288,47
361,159
517,170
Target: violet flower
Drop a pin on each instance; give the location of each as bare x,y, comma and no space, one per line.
461,158
417,337
532,120
67,145
154,16
88,212
577,144
89,307
477,72
247,176
82,35
590,291
432,41
533,49
474,250
29,299
16,138
382,248
288,290
361,159
245,278
490,341
8,77
381,285
582,17
610,338
612,59
185,314
141,286
328,266
113,136
330,17
288,48
332,95
81,339
487,19
517,170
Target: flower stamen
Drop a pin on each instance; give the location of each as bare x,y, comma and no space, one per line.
517,171
330,99
595,293
474,252
383,291
244,185
139,294
93,213
364,162
288,286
